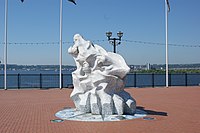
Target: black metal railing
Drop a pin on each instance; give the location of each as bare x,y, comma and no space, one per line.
156,80
17,81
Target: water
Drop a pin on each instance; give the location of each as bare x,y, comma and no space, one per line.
50,79
36,72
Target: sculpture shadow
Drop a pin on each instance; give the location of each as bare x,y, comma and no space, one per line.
152,112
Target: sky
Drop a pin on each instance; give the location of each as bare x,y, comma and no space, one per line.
36,21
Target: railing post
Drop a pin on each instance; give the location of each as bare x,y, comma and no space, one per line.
170,79
62,80
40,80
152,79
135,79
186,83
18,81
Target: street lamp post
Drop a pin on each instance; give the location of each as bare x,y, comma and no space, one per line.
5,44
113,41
60,56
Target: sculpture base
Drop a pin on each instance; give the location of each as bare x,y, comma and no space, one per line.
73,114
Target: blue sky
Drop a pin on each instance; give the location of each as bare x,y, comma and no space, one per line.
140,20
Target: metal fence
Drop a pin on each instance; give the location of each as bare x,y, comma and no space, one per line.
35,81
17,81
156,80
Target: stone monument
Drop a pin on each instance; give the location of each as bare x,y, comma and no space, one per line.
99,80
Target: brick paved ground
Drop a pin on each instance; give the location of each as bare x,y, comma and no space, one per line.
176,110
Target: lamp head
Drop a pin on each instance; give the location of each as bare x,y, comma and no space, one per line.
109,34
120,34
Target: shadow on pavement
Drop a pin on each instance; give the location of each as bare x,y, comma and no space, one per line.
152,112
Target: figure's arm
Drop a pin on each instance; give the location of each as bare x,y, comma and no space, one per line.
99,62
73,50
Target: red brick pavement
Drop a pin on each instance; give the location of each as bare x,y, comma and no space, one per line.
175,109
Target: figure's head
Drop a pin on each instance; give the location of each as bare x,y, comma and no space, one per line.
80,41
78,38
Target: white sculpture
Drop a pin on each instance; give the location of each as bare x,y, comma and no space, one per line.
99,80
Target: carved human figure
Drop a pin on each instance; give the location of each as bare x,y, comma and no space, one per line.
99,80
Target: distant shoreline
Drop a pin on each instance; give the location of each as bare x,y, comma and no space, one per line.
149,68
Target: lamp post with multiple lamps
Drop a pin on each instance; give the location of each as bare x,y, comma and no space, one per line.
114,40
